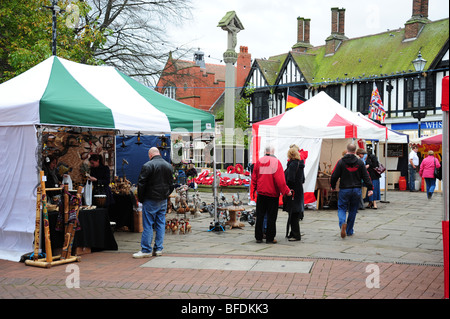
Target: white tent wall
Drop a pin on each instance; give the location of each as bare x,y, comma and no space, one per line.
18,181
319,151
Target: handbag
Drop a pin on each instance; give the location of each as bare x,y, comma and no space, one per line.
437,171
380,168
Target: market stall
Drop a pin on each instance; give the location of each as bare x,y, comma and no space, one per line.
62,97
322,127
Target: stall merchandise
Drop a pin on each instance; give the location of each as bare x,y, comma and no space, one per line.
225,179
322,127
60,93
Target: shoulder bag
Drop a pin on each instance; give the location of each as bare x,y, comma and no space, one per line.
437,171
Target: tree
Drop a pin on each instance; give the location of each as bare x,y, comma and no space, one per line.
126,34
136,42
26,36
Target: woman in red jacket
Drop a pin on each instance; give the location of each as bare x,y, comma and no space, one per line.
427,172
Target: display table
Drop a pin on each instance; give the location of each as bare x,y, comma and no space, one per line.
233,218
95,231
325,196
121,211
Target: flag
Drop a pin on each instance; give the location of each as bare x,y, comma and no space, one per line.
376,111
293,100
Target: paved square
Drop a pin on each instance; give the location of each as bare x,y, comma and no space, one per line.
230,264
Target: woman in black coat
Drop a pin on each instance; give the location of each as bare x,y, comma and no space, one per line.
100,177
295,177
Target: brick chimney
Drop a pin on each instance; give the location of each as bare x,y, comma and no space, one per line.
243,66
419,18
303,29
337,31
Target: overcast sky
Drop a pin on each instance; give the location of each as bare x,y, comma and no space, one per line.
271,26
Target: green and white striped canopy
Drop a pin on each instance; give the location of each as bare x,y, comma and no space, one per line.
64,93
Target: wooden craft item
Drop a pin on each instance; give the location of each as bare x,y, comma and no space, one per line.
49,259
48,244
38,224
70,227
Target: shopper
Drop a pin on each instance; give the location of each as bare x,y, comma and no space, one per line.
371,164
413,165
362,154
350,170
295,205
427,171
155,183
269,182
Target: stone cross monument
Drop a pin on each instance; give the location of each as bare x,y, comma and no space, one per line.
230,23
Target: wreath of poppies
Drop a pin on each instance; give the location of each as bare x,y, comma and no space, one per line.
205,179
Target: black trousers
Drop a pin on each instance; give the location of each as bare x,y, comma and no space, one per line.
294,223
266,205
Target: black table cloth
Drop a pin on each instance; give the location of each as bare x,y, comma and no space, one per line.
121,211
95,231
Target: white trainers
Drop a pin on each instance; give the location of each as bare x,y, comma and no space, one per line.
140,254
157,253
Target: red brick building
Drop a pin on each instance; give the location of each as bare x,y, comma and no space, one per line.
197,83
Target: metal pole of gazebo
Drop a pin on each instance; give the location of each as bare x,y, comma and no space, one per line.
386,171
445,181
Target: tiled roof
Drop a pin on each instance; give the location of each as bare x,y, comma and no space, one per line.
383,54
217,69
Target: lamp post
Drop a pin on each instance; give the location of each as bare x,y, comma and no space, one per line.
419,65
270,105
55,10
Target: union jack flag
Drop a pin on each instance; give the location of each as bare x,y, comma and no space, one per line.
376,111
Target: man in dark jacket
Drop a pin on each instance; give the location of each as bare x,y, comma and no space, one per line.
351,170
155,184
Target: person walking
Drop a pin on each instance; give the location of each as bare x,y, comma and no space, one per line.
155,183
371,164
295,206
362,154
413,165
269,182
351,171
427,171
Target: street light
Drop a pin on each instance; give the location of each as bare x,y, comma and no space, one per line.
270,105
55,11
419,65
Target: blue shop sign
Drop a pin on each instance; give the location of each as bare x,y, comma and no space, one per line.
414,126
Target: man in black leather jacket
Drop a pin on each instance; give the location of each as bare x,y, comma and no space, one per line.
155,184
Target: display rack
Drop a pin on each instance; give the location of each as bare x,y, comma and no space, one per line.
69,227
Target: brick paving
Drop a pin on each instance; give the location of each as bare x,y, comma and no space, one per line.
109,275
409,263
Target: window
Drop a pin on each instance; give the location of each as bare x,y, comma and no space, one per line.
334,91
364,95
170,92
419,88
260,107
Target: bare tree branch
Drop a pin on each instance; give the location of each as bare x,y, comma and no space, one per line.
136,39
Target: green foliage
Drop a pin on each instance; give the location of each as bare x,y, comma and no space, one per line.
241,117
26,36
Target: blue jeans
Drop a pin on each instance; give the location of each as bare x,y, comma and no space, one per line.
412,177
348,200
431,184
153,218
